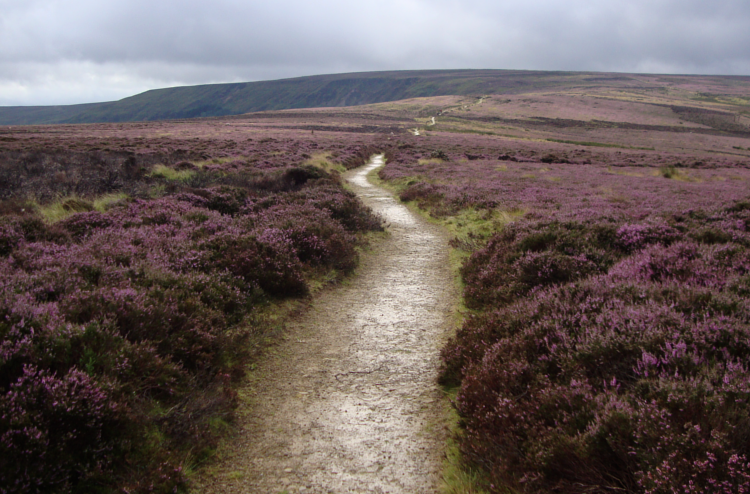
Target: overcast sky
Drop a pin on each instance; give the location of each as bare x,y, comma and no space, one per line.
75,51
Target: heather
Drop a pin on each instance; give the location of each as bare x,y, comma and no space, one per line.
632,376
603,245
44,164
125,328
564,181
606,342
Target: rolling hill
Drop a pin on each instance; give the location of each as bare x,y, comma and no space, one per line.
215,100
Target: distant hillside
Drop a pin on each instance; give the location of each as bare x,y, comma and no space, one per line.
215,100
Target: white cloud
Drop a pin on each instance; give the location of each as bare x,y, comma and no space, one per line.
54,51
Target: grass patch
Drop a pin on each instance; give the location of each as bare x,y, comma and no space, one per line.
458,478
476,225
599,144
322,161
70,205
59,210
161,171
673,173
469,227
103,203
469,231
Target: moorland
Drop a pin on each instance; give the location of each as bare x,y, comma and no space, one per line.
339,90
599,233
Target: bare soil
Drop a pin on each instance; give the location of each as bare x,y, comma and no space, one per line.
349,401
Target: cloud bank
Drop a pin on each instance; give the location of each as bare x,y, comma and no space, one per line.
74,51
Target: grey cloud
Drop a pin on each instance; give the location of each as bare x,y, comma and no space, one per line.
137,43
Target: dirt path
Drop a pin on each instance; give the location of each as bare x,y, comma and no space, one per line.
350,403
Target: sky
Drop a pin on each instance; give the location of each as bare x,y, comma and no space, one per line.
55,52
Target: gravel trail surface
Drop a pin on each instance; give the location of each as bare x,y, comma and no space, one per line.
349,402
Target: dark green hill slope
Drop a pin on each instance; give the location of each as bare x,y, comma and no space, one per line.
215,100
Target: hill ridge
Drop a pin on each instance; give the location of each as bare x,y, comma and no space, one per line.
333,90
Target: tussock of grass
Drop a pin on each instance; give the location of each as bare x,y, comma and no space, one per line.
67,206
63,208
161,171
478,224
469,231
103,203
321,160
674,174
430,161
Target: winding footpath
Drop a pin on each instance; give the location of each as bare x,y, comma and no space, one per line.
349,402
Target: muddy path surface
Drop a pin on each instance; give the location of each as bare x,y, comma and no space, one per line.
349,402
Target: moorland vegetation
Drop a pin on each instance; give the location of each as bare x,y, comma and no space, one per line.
342,90
605,275
126,323
608,339
600,232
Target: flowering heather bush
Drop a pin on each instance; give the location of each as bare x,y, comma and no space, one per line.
609,344
635,382
577,191
626,368
57,432
45,163
10,236
121,331
527,256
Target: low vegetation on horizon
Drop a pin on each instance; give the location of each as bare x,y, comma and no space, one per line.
340,90
601,229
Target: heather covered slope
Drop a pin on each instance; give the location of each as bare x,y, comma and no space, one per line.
605,273
354,89
602,234
137,284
